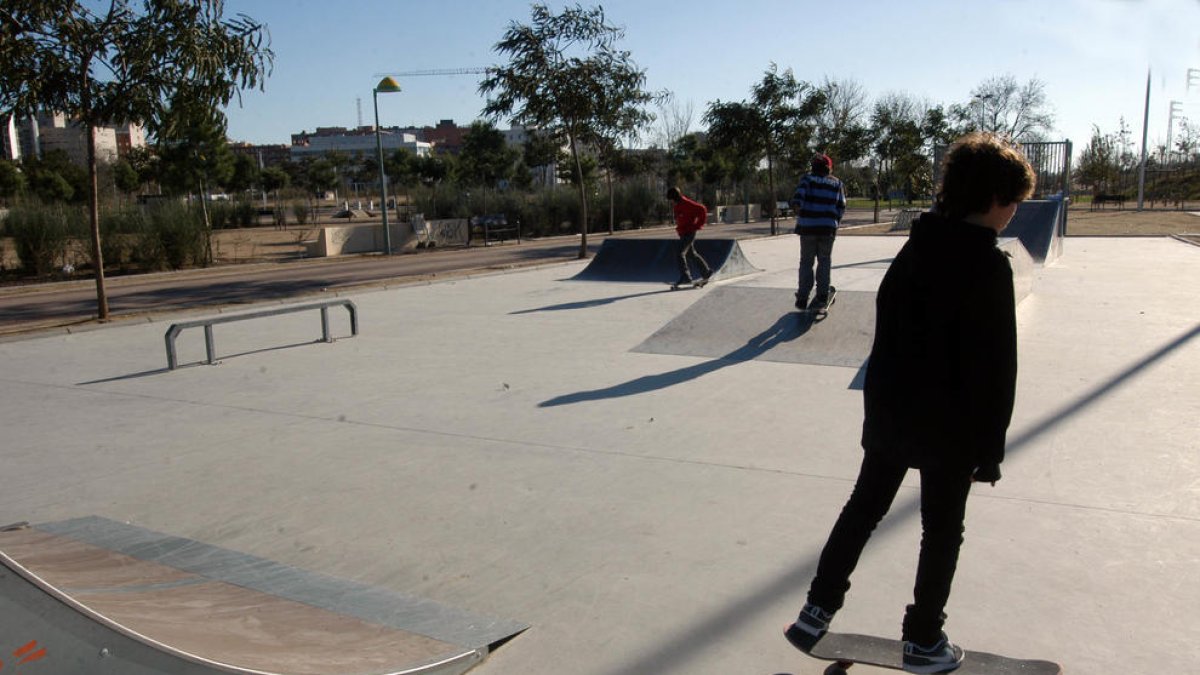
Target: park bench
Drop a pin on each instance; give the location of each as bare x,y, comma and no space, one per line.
493,228
1098,201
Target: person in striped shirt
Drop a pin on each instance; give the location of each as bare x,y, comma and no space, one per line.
819,202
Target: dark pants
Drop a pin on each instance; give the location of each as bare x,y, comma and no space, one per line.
815,248
943,505
687,249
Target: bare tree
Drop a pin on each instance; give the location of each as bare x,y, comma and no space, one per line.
1019,111
842,122
675,121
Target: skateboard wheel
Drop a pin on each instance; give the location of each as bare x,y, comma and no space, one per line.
836,669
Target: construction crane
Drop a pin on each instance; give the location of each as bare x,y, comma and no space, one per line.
439,71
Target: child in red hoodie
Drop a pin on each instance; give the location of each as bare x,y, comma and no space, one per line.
690,216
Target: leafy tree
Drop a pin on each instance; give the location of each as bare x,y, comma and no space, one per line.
401,167
12,180
540,152
320,175
50,186
684,159
125,177
145,162
55,178
274,179
124,61
245,175
900,146
565,75
485,158
1099,163
779,117
192,148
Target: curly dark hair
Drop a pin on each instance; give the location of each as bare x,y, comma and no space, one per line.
979,169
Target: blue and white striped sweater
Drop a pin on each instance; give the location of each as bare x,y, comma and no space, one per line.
819,202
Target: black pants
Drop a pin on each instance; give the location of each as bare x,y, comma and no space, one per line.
687,249
943,505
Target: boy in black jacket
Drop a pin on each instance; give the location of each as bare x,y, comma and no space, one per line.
939,391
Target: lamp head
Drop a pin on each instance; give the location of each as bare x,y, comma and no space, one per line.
387,86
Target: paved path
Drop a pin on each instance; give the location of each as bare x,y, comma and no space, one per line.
72,305
646,477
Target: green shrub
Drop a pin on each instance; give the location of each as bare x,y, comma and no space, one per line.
121,232
42,235
300,211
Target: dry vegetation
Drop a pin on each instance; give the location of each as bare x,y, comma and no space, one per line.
261,244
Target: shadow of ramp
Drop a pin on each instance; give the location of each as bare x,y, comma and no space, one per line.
727,317
628,259
95,596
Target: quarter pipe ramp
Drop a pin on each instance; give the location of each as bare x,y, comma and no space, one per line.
630,259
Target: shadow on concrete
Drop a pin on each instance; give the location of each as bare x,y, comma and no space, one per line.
786,328
866,263
584,304
192,364
679,650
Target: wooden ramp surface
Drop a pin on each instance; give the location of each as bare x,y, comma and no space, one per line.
171,605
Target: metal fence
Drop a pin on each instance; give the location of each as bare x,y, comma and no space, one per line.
1051,161
1171,186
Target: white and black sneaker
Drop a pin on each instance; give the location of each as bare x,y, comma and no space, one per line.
942,657
810,626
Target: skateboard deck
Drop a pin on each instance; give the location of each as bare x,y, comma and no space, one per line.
822,312
698,283
847,649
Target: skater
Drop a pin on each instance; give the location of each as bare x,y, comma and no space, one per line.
819,202
690,216
938,393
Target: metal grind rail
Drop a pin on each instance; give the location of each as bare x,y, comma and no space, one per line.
210,346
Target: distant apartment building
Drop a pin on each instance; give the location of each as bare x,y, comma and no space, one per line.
445,138
264,155
10,141
49,131
358,142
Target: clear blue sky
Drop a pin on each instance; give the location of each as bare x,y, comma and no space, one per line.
1092,55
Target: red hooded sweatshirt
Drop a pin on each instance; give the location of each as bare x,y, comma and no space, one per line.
690,216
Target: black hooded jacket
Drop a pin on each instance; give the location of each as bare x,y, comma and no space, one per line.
941,379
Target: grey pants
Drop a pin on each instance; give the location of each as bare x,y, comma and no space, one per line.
816,248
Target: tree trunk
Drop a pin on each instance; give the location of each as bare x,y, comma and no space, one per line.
208,252
771,190
94,221
583,223
611,214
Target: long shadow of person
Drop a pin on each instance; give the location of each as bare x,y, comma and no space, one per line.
786,328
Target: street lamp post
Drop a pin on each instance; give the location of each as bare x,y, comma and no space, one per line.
388,86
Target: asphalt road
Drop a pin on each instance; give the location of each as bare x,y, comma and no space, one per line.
72,305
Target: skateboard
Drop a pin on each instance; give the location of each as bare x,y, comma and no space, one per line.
698,283
847,649
821,313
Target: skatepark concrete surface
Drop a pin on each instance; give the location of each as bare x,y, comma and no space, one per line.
646,477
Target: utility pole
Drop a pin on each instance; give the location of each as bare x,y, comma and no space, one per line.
1145,133
1176,113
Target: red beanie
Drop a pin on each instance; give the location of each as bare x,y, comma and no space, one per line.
822,160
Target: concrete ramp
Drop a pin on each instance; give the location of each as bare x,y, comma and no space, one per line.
630,259
92,596
1038,223
743,323
1022,266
